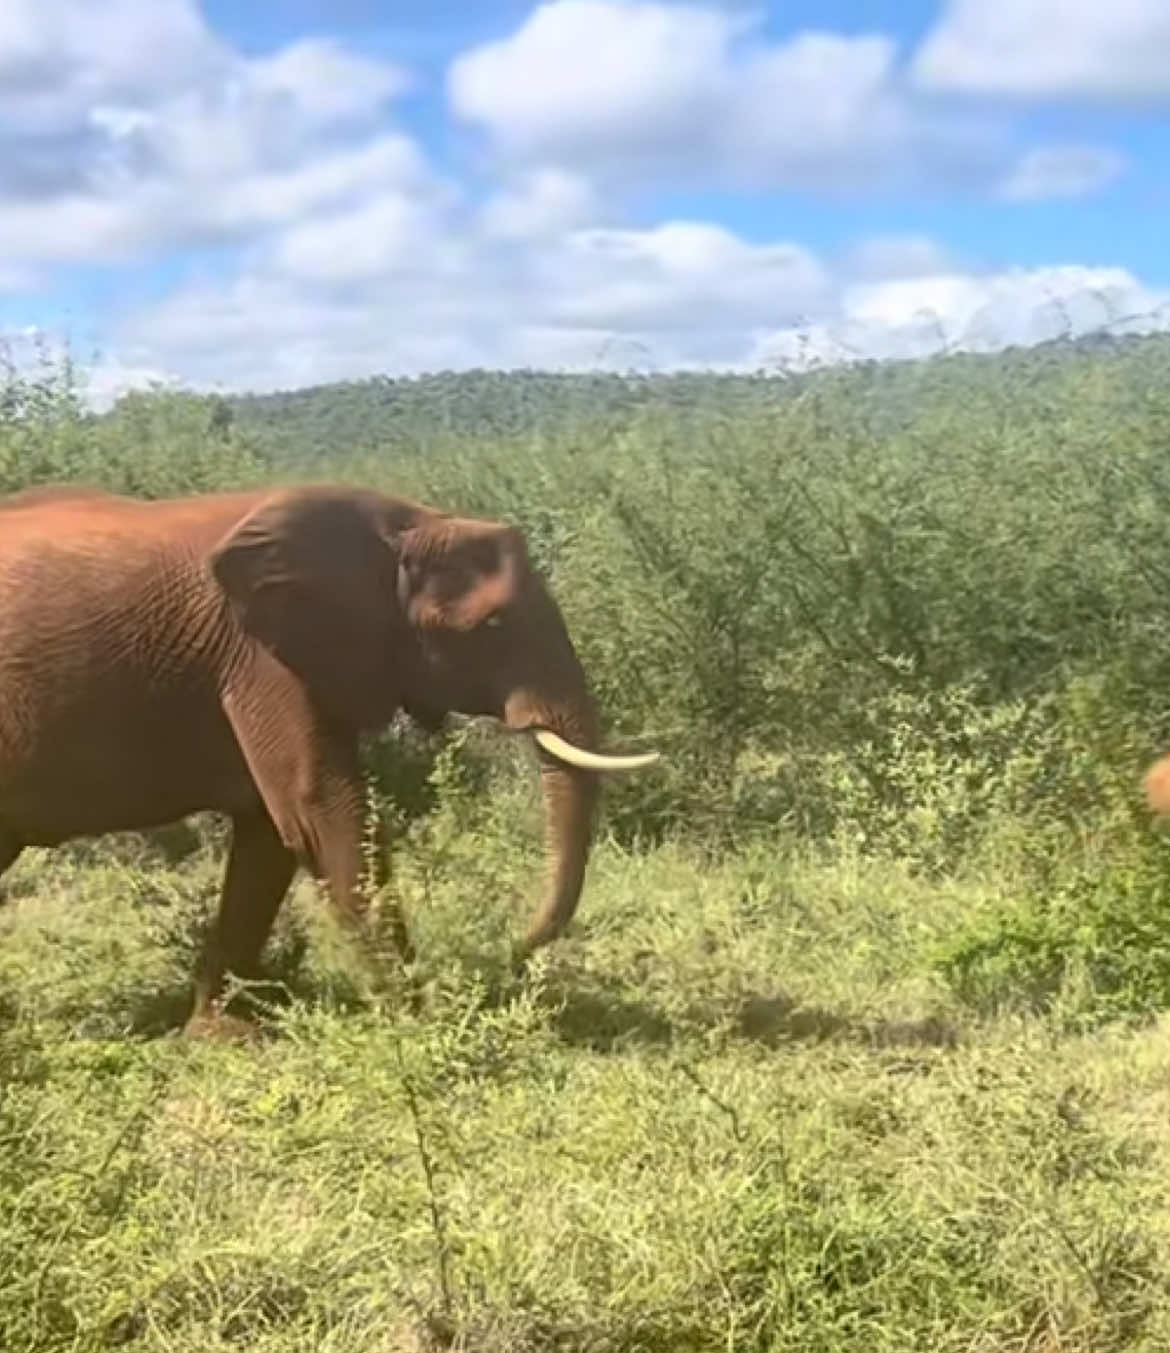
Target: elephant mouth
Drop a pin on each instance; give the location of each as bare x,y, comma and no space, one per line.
558,747
572,755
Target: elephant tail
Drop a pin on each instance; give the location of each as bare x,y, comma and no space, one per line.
1157,787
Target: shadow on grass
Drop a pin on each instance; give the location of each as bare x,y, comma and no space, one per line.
164,1012
285,976
600,1012
603,1019
773,1020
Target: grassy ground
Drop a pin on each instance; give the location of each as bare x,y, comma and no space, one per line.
737,1110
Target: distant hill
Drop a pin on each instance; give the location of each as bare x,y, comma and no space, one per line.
420,414
424,413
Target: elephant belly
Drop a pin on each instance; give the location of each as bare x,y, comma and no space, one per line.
84,777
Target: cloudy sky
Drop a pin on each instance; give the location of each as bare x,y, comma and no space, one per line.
251,194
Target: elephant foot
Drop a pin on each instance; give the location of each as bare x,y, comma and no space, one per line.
519,959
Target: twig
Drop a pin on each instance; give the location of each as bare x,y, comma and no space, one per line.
689,1072
438,1223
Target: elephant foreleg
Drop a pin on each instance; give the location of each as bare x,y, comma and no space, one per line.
310,780
339,863
336,833
259,870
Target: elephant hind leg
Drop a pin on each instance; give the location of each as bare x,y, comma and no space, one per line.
259,870
10,848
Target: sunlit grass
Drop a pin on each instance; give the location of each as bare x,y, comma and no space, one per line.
736,1109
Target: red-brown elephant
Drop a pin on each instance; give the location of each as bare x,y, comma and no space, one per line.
1156,783
224,652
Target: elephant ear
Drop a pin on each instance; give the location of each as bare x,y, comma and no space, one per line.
310,574
457,574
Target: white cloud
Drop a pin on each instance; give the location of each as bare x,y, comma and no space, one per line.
891,256
59,59
818,97
273,197
442,291
1061,171
17,279
270,332
56,56
407,286
386,235
542,202
153,213
31,349
914,317
665,278
695,92
597,74
321,79
128,126
74,227
107,379
1117,50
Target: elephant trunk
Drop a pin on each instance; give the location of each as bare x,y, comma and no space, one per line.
570,799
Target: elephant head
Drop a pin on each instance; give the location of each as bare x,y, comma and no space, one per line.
378,603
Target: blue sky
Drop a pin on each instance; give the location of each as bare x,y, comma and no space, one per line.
250,195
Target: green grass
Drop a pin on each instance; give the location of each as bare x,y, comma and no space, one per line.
738,1109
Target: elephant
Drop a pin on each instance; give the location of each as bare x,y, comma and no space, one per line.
227,651
1156,783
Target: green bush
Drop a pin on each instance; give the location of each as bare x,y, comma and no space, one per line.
1093,946
152,444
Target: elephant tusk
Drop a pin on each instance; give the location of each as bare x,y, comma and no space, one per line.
577,756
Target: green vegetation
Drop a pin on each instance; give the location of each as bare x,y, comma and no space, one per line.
858,1041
